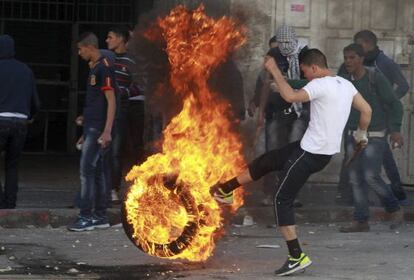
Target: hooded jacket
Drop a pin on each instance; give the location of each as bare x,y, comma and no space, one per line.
18,92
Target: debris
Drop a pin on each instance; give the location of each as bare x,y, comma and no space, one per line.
268,246
335,246
73,271
248,221
56,268
117,226
12,258
77,241
8,268
81,263
311,232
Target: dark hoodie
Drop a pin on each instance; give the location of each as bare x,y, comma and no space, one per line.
18,92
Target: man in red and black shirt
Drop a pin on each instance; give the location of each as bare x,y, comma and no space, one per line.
98,118
129,123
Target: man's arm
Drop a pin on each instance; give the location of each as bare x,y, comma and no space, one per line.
392,108
398,78
359,104
286,91
105,138
138,67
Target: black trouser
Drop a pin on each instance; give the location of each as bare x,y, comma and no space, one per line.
12,138
135,133
296,166
118,144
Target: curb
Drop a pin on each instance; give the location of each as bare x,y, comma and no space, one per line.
332,214
40,217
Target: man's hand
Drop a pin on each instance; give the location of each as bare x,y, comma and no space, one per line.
396,140
361,138
79,143
79,120
105,139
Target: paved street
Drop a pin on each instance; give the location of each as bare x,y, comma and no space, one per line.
46,253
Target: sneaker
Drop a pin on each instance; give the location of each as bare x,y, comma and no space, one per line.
355,227
114,196
222,197
100,222
81,224
292,265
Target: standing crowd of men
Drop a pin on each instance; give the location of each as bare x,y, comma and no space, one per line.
307,112
112,124
370,83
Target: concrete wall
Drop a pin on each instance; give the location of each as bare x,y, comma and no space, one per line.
328,25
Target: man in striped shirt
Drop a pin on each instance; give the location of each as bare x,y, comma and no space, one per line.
129,123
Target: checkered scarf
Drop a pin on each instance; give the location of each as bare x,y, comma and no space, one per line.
290,47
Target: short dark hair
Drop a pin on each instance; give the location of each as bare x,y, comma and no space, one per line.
88,39
314,57
354,48
121,30
272,40
367,36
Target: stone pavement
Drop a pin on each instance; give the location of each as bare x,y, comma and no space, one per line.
48,185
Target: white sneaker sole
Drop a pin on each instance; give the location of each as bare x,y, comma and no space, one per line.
82,229
295,270
222,201
103,226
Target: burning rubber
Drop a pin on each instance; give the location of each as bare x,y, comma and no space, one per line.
180,192
175,216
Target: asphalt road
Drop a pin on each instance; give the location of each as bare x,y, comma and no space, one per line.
46,253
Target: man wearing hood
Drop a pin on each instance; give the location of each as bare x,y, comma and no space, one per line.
284,122
19,102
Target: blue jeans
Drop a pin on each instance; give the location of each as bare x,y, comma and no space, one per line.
12,137
94,175
391,169
118,144
364,173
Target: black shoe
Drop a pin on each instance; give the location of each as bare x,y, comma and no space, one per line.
293,265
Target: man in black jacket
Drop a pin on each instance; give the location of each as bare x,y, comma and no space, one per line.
18,104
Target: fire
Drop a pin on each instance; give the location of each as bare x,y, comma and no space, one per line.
169,208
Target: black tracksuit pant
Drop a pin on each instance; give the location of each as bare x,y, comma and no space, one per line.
296,166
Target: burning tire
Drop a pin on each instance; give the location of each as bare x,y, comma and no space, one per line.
181,193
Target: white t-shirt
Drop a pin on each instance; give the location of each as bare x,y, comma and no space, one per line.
330,105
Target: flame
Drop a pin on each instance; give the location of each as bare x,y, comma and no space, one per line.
169,201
